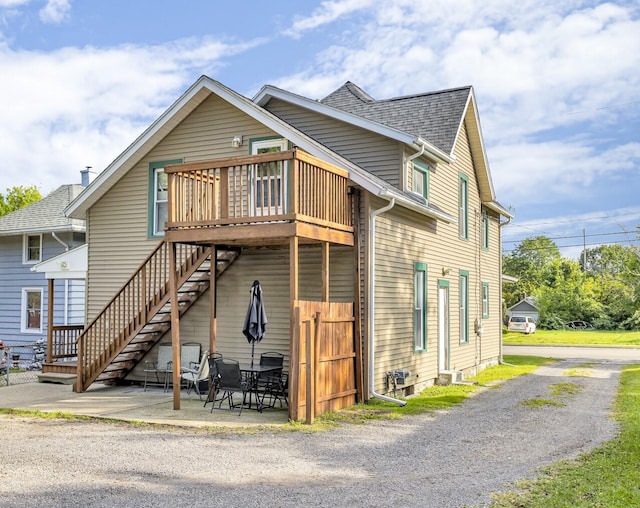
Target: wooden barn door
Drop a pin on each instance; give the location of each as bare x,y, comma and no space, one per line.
323,359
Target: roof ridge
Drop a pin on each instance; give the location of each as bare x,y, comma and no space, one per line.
425,94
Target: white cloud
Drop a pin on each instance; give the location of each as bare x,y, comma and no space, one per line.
82,106
328,12
12,3
540,173
55,11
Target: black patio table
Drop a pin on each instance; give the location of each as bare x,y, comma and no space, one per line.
252,373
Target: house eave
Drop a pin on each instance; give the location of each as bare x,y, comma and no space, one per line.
416,207
40,230
498,208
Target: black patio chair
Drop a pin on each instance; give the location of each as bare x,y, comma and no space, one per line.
272,384
230,382
214,378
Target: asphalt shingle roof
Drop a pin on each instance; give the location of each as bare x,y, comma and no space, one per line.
44,215
434,116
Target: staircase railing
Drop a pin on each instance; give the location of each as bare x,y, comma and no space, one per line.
132,307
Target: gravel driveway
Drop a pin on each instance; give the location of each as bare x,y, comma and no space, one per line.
454,458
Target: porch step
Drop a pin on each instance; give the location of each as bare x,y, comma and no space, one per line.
56,377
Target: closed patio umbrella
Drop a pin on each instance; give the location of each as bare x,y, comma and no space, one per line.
255,322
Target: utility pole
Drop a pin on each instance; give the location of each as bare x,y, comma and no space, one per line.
584,249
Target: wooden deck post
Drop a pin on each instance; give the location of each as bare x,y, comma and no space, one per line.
294,361
50,299
213,294
175,324
325,271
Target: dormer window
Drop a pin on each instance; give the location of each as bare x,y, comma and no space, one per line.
420,179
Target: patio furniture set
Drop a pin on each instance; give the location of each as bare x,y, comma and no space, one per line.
261,385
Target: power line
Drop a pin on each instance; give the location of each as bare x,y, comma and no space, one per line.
560,247
514,224
573,236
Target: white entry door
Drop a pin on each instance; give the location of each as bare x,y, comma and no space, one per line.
443,326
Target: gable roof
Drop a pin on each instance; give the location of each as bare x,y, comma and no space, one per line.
45,215
71,264
188,102
527,304
434,116
430,121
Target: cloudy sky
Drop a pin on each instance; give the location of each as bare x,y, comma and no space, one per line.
557,84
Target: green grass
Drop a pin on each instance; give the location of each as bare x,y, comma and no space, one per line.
431,399
618,338
606,476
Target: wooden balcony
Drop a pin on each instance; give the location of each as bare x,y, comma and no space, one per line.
259,200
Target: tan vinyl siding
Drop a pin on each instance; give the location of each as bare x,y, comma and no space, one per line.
403,238
377,154
271,268
118,222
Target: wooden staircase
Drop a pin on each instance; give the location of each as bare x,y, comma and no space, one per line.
140,313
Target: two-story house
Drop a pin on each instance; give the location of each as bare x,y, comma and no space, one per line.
372,226
28,237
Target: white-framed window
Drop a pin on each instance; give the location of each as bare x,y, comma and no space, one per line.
269,187
464,306
32,249
463,200
420,306
31,310
420,179
485,299
158,196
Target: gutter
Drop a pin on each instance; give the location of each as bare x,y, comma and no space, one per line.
500,359
412,205
372,295
406,162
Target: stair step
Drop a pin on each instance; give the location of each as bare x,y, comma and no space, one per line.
56,377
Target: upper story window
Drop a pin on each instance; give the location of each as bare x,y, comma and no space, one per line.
270,179
31,310
420,179
158,196
32,249
485,230
463,203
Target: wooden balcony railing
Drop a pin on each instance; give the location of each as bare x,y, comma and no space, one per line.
63,343
279,186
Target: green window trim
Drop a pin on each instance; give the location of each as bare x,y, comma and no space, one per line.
485,231
463,287
463,206
420,179
485,300
266,138
419,307
151,203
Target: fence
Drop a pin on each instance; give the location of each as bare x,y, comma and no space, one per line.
21,364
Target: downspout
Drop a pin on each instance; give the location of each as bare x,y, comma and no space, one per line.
407,160
372,296
500,359
66,283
